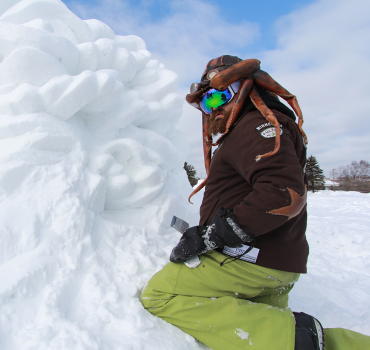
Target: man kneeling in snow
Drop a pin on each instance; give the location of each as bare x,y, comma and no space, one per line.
251,239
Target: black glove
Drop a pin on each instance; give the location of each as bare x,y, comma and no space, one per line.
223,230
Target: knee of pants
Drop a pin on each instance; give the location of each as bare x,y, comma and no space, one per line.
159,290
146,295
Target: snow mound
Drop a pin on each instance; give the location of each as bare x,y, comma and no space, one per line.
91,174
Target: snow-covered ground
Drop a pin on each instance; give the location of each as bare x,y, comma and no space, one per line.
90,176
337,286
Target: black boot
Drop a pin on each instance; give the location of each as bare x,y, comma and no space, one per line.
309,334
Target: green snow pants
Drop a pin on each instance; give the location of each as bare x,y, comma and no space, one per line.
227,308
234,306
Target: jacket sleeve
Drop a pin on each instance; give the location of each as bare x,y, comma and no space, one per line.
270,177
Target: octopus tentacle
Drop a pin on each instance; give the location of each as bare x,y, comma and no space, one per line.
193,98
197,189
269,115
207,150
253,76
242,70
207,142
293,102
240,98
264,80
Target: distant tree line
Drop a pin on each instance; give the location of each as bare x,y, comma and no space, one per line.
353,177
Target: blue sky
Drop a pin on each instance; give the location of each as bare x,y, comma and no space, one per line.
318,50
264,13
247,28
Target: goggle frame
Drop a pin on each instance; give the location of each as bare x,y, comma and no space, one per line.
216,96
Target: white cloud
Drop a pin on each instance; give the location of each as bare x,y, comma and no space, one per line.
185,40
322,56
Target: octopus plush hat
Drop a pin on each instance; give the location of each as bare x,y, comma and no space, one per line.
222,72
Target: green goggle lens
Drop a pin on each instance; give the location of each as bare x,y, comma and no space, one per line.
215,98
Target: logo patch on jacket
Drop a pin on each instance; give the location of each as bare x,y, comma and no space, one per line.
267,130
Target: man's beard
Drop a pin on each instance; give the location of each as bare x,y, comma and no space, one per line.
217,126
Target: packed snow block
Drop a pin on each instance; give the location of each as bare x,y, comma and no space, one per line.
125,64
138,181
64,95
159,126
118,58
12,175
130,42
155,110
13,127
107,52
129,108
27,10
88,57
127,114
24,99
104,102
27,124
139,198
161,151
145,76
120,186
30,139
54,143
172,106
155,64
167,82
162,146
61,29
133,132
128,152
6,4
97,186
109,91
142,58
40,24
178,139
26,276
62,49
168,209
6,48
28,65
99,29
58,46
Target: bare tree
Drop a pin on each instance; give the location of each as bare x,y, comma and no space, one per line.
355,177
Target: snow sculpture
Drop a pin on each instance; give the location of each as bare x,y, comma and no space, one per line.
91,174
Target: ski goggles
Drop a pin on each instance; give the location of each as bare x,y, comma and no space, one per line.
216,98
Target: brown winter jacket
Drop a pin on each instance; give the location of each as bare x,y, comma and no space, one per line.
253,188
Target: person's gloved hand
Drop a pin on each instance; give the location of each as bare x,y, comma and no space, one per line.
223,230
